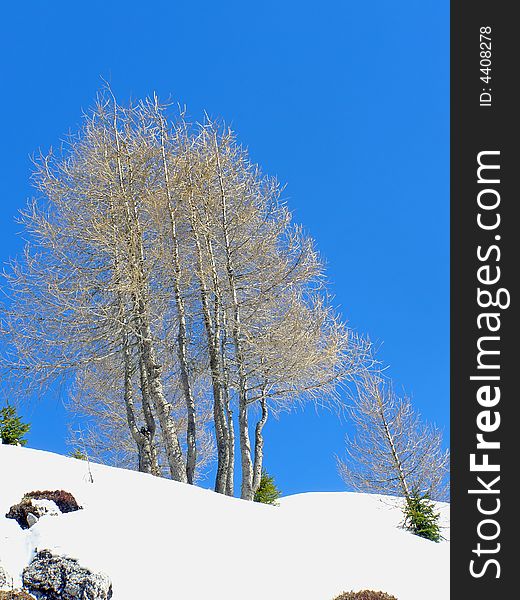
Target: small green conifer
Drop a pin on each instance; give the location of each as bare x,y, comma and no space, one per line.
12,430
420,517
267,492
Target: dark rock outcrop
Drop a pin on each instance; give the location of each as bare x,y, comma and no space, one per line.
28,511
65,501
51,577
36,504
19,512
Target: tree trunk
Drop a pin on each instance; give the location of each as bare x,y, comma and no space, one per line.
222,434
146,347
230,481
162,407
395,456
212,328
259,446
245,443
141,440
149,420
147,453
182,338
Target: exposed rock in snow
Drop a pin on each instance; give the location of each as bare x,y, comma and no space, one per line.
6,581
31,519
27,512
64,501
19,512
51,577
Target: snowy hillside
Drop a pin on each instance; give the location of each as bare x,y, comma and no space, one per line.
160,539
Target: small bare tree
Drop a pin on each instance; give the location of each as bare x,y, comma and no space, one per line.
307,354
394,451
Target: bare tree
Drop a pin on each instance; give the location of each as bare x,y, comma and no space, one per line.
307,355
166,277
85,292
274,338
393,451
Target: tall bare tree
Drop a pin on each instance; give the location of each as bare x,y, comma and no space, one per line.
393,451
85,292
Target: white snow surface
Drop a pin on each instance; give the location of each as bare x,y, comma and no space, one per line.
158,538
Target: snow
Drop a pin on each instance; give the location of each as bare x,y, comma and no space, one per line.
157,538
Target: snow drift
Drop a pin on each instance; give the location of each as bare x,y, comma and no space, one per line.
158,538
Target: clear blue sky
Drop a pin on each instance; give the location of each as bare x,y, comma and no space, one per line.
347,102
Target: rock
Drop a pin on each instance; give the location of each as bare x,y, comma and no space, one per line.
65,501
28,511
42,503
16,595
31,519
50,577
6,581
19,511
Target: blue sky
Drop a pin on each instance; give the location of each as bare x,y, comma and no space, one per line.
346,102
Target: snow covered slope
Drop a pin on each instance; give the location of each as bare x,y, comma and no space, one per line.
161,539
